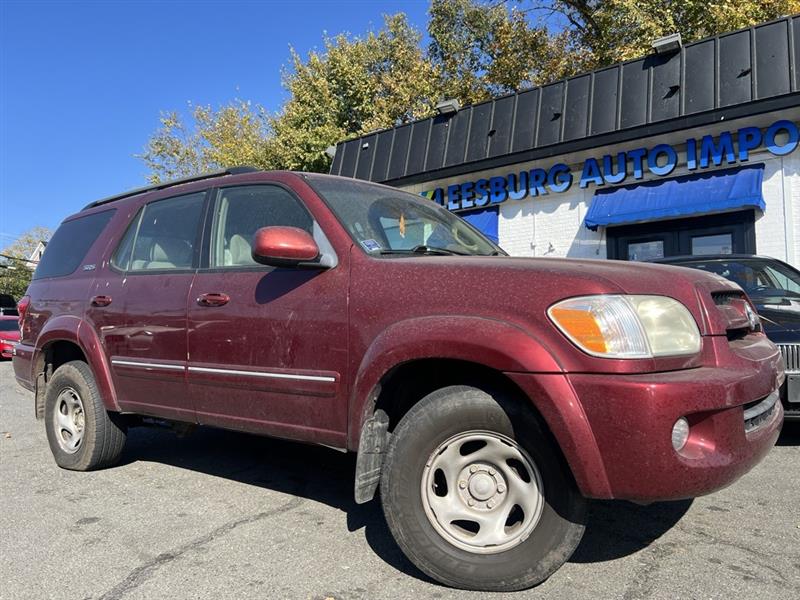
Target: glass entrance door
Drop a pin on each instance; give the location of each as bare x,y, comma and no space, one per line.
711,235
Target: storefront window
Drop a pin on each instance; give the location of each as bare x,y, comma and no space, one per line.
704,245
646,250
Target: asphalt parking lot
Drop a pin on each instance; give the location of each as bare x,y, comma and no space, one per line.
226,515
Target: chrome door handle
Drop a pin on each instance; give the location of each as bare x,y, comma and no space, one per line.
101,301
213,299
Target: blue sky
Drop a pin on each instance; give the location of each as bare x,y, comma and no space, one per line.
82,84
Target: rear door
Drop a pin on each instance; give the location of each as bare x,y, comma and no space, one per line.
267,346
139,306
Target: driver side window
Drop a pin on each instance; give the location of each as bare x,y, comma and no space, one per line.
241,211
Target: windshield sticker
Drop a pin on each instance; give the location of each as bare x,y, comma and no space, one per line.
370,245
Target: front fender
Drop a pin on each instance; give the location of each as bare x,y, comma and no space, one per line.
72,329
492,343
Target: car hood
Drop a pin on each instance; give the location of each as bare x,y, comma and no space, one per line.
534,284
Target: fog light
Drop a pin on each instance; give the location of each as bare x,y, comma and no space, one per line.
680,434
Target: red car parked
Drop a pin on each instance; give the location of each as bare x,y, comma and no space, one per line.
488,396
9,335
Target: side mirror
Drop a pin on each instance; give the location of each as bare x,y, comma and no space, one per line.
283,247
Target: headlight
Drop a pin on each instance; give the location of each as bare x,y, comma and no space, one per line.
617,326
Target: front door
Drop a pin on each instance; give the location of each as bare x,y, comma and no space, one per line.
143,324
267,346
729,233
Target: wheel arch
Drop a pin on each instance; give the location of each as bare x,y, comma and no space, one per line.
413,358
491,344
68,338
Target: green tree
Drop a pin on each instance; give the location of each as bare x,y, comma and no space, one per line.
15,272
602,32
482,50
232,135
477,49
352,86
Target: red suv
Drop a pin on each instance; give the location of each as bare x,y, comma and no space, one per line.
487,396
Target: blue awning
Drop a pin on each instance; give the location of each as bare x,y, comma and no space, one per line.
696,194
484,220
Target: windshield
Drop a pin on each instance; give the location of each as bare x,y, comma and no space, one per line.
386,221
758,278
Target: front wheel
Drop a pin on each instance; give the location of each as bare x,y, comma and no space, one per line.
475,494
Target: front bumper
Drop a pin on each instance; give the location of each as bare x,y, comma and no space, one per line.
632,417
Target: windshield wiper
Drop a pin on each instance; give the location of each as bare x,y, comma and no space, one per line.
423,249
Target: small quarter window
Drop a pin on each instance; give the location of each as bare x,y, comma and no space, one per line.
122,255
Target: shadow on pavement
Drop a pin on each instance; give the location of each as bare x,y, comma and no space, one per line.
314,472
616,529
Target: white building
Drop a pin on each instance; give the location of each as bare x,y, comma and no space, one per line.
711,165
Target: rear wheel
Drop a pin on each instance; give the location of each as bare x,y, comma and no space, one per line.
81,433
476,495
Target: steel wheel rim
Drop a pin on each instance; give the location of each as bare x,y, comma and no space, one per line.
69,420
482,492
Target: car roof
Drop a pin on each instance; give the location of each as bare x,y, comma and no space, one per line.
172,183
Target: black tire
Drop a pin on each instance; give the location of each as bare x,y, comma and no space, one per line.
103,434
439,417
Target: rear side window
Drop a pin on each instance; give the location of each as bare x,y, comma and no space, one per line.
162,236
70,243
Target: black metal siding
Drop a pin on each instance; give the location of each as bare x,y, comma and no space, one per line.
383,150
525,120
743,72
604,95
699,78
479,132
666,93
419,144
576,114
794,40
365,154
437,142
735,69
502,120
457,142
551,114
772,59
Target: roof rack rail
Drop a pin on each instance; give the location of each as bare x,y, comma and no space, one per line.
166,184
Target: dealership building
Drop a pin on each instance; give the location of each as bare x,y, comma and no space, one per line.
690,150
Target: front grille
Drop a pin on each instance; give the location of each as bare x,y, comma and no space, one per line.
725,298
791,357
760,412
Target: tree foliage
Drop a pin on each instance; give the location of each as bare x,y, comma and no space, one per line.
15,273
235,134
477,49
602,32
